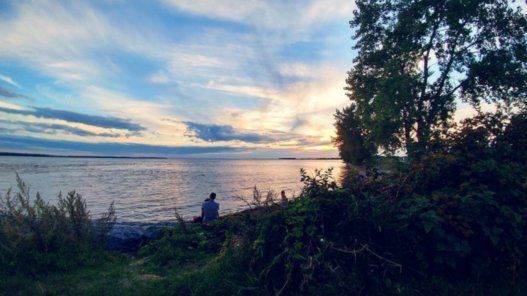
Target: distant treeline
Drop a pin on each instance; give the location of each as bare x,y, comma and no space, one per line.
309,158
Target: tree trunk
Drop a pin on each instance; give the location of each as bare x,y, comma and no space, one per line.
423,139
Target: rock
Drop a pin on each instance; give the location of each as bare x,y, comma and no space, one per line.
129,236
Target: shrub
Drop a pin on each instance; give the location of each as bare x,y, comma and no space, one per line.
469,198
184,245
36,236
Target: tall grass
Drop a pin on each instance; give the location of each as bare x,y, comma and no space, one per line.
37,236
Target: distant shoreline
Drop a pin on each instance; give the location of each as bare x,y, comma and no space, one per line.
308,158
17,154
76,156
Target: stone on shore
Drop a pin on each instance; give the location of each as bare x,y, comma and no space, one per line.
129,236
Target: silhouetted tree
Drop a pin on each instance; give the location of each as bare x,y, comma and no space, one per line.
353,142
417,58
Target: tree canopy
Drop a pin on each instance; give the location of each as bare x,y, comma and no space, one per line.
417,58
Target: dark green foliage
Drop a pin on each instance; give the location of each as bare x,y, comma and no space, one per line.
416,58
193,244
352,140
476,186
36,236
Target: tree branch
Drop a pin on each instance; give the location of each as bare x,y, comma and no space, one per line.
427,57
444,76
366,248
450,62
456,88
453,54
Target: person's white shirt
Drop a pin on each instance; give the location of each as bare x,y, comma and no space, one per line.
210,210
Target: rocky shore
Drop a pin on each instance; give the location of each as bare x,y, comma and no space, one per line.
129,236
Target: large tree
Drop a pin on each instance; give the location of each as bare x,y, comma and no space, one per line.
417,58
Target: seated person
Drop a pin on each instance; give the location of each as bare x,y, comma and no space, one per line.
209,209
199,219
283,201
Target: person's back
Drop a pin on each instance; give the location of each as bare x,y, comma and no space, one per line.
210,209
284,202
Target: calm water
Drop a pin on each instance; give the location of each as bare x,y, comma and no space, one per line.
149,189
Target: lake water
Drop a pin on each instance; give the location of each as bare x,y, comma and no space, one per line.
148,190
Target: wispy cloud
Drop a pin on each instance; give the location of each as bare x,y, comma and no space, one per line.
290,16
93,120
12,95
56,43
9,80
6,93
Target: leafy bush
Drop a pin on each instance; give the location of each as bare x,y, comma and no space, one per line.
183,245
36,236
469,198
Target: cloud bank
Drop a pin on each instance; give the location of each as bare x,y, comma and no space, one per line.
52,129
216,133
93,120
108,148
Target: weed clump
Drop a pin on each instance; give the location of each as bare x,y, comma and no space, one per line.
36,236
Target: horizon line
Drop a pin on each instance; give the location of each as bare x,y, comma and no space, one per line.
25,154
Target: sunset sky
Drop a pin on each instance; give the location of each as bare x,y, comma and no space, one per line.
174,78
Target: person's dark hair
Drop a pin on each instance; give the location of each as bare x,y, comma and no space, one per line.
212,196
282,192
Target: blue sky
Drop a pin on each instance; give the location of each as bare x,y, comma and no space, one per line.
173,77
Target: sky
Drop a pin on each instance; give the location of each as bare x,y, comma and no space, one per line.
174,78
